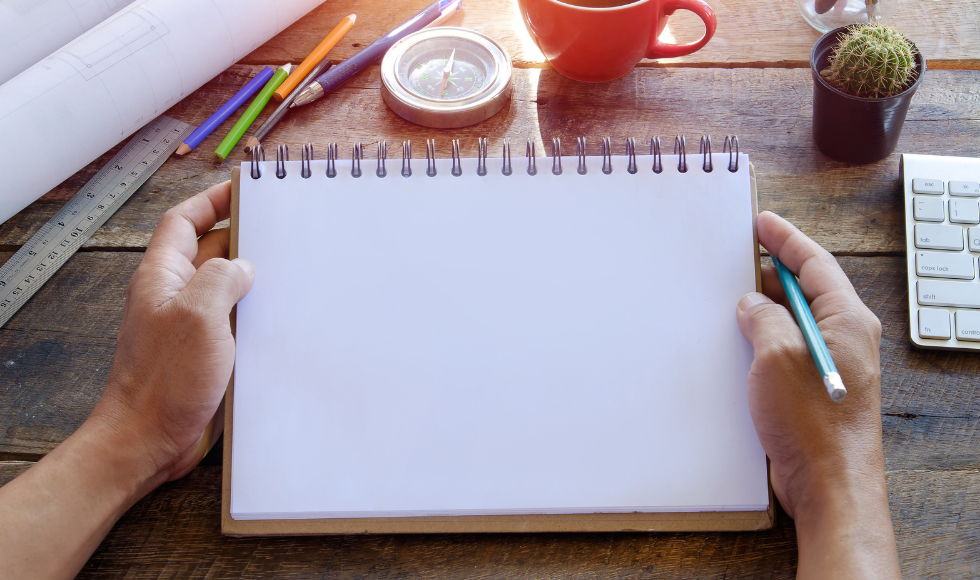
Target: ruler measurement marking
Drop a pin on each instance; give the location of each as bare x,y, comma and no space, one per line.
33,264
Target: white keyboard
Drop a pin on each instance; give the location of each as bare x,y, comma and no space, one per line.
942,238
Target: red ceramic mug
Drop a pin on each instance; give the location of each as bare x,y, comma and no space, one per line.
599,40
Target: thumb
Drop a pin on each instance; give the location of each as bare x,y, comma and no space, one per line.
220,283
762,321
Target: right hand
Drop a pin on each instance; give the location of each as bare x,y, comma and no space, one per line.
812,442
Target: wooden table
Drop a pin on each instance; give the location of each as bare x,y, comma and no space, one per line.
752,79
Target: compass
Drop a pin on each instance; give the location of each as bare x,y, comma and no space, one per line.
446,77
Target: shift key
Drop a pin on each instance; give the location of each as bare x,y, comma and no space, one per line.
943,293
938,237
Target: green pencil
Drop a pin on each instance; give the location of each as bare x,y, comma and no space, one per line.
251,113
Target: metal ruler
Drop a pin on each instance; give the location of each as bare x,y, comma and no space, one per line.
47,250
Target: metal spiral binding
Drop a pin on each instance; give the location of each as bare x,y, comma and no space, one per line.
355,160
680,146
481,157
606,149
532,166
506,169
658,160
731,147
705,149
631,155
382,155
255,170
430,157
304,170
457,169
282,156
331,160
406,158
556,155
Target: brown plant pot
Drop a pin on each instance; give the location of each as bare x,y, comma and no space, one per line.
855,129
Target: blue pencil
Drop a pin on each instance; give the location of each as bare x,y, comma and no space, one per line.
814,340
225,111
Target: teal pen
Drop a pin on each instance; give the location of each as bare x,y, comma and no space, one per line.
814,340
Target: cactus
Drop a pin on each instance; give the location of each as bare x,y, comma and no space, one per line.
872,60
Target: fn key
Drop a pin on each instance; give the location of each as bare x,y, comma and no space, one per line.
934,323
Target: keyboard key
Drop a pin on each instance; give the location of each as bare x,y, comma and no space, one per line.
930,186
964,188
944,265
937,237
947,293
934,323
964,211
967,325
974,237
929,209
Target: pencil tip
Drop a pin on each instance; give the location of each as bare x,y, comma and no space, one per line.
251,143
353,18
184,149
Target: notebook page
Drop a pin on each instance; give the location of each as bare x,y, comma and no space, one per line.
494,345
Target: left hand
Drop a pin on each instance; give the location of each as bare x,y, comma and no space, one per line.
175,351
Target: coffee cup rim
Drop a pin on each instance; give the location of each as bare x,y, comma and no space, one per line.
599,9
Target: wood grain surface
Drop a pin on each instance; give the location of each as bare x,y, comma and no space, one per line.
751,33
173,533
849,209
752,79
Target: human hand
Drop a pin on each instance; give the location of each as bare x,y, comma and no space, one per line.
827,465
175,351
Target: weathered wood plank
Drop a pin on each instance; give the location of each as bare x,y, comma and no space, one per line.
750,33
56,352
174,533
848,209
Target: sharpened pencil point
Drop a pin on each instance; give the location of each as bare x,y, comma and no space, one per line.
251,143
353,18
184,149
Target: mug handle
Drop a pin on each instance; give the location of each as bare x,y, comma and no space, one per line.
659,49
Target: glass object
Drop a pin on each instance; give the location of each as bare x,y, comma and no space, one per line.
826,15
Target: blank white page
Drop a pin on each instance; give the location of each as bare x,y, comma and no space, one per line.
494,345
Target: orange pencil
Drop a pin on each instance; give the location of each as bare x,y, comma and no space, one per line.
316,56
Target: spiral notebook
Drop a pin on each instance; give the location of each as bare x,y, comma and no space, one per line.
480,345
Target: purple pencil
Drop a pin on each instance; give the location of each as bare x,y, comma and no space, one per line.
225,111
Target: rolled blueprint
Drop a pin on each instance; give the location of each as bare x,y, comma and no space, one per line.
65,111
32,29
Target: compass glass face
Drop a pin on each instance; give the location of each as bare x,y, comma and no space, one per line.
446,69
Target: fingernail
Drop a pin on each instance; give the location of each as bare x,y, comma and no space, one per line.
245,265
751,299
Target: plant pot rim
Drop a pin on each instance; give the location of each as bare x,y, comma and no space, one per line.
920,61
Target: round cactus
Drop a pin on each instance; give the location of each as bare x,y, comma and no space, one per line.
872,60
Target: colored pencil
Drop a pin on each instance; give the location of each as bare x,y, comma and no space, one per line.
253,110
811,333
225,111
319,53
280,112
346,70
